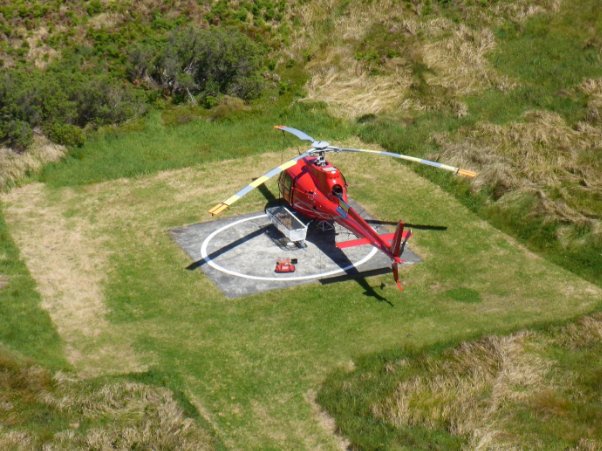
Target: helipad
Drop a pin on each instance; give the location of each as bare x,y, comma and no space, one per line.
239,254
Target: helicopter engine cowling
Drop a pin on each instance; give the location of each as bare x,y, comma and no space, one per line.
313,189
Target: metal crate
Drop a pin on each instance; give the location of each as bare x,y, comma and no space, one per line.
288,224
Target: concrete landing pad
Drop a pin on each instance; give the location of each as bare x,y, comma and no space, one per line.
239,254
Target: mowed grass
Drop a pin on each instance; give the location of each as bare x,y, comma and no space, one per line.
250,365
25,327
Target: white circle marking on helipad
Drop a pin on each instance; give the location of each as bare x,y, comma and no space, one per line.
214,265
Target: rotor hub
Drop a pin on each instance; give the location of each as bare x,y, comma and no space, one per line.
320,145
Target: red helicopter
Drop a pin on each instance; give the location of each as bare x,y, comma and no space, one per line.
318,190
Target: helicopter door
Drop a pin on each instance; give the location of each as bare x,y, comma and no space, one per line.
285,184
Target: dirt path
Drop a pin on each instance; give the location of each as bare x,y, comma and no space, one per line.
69,265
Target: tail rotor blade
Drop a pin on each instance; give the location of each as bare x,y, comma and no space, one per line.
396,243
395,267
403,244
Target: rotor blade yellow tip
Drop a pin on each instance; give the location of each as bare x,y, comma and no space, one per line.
467,173
218,209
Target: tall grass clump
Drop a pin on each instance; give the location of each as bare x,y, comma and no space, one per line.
386,56
528,389
41,409
15,165
539,154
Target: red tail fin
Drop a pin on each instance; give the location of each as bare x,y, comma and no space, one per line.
396,243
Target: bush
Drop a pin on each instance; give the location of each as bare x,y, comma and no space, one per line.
61,100
19,135
201,64
227,107
66,134
100,101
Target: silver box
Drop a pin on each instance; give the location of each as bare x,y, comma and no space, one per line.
286,221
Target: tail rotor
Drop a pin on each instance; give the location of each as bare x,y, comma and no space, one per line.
397,247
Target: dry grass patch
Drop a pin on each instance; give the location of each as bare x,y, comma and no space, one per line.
452,54
593,89
479,389
326,421
465,392
337,77
350,91
15,165
542,156
39,409
68,263
141,416
106,20
585,332
456,57
40,53
515,11
3,281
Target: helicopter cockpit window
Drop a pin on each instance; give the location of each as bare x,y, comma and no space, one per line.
286,181
337,190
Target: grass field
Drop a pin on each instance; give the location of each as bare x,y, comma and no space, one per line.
186,136
251,366
106,337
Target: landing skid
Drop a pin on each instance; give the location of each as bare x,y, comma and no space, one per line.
325,226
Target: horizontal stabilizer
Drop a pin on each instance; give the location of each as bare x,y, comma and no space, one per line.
387,237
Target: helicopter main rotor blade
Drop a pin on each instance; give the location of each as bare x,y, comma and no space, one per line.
317,145
219,208
446,167
298,133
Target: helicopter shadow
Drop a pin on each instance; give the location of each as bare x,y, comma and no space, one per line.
271,201
228,247
409,225
268,195
326,239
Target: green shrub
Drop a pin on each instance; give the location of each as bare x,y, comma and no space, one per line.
100,101
67,134
201,64
19,135
61,100
94,7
